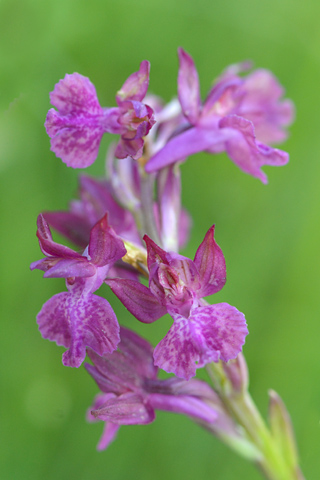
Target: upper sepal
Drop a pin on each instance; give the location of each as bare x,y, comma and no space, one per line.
188,87
211,265
136,85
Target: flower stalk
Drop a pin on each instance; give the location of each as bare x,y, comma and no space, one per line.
271,460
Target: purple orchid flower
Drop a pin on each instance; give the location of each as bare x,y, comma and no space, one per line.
132,392
236,117
200,333
77,318
76,128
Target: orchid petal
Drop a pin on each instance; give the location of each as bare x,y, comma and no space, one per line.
74,227
193,140
210,333
76,140
48,246
136,85
75,94
105,247
186,405
219,332
79,322
127,409
138,299
211,265
249,154
176,353
188,87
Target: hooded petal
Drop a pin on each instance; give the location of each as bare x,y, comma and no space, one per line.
188,87
136,86
105,247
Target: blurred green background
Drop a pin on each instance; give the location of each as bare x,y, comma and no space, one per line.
270,234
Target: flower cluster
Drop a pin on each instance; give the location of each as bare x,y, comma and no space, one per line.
130,225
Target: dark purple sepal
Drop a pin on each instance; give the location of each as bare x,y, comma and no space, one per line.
138,299
211,265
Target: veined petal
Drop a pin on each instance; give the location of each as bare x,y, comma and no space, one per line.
74,267
53,320
127,409
138,299
79,322
210,333
75,94
93,324
219,332
211,265
246,152
188,87
176,353
75,140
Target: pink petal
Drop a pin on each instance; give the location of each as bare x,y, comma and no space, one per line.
188,87
211,265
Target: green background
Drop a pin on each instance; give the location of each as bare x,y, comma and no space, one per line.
270,234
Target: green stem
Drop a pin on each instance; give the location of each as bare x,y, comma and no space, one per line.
243,410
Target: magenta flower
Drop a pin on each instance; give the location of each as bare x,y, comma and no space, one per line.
132,392
77,318
200,333
238,114
78,124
